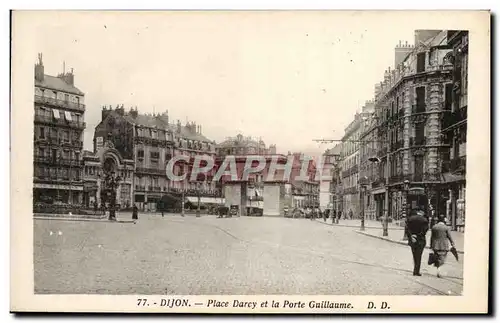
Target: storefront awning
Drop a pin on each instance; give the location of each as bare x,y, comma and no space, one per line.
205,200
450,177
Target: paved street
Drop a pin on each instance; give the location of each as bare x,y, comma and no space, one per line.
175,255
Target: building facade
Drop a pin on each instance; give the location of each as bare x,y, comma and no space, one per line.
455,129
410,107
58,138
242,146
138,147
350,168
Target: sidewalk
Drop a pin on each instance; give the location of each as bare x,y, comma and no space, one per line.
397,237
79,217
369,224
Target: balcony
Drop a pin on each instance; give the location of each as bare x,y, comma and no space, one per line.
397,145
69,162
382,152
154,171
378,182
396,179
62,180
415,109
458,164
59,142
140,188
416,142
60,103
57,161
51,121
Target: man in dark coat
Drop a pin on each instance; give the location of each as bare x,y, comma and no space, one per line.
135,212
416,228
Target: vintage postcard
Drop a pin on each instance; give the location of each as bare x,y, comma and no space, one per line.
250,161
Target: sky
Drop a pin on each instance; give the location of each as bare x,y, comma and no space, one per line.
285,77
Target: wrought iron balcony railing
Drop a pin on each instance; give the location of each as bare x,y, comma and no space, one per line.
60,103
50,120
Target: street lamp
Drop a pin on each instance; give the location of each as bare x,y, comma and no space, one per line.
406,187
111,182
363,183
198,187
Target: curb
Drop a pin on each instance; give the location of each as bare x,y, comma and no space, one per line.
80,219
404,243
357,226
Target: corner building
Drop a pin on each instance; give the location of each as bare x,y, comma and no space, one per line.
138,147
411,107
58,137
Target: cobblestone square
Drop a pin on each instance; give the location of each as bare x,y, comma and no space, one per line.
241,255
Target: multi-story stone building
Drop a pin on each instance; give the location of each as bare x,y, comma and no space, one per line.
137,147
350,161
368,170
58,137
242,146
336,190
325,181
455,128
410,105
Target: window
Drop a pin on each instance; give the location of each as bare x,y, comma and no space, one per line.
155,155
420,91
42,132
448,96
419,168
66,97
140,153
420,62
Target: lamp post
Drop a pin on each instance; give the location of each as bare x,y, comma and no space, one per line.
182,203
406,188
112,182
198,186
363,184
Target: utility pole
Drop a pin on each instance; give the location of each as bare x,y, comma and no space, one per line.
182,203
385,223
198,185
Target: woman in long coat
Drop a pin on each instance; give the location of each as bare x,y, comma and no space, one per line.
440,235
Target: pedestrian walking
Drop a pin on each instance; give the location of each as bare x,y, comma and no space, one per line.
334,216
440,236
135,212
350,214
416,228
95,208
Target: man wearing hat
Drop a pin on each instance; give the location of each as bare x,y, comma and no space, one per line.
416,229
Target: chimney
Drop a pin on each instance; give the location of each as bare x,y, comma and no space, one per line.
105,112
120,110
401,51
178,126
39,69
69,78
164,117
132,113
